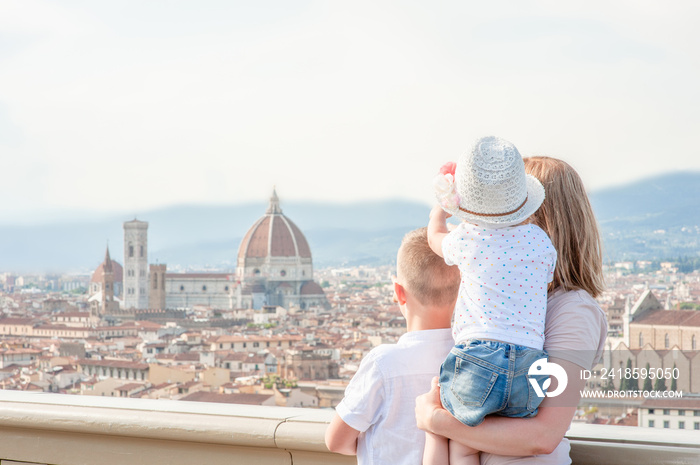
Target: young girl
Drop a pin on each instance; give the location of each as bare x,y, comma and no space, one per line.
505,265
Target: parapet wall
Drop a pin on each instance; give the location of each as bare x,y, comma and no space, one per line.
56,429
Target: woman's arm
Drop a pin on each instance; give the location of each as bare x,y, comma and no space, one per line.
507,436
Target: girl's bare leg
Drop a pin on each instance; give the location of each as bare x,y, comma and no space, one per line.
436,450
462,455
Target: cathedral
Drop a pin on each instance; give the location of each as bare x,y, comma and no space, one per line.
274,268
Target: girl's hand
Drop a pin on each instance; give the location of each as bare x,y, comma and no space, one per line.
426,406
438,213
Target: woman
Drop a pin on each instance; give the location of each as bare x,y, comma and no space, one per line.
575,330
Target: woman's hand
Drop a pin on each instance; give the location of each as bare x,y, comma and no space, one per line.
426,406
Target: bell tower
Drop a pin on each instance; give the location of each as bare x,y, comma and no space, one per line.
136,265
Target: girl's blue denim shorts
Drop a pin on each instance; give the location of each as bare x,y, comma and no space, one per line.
480,378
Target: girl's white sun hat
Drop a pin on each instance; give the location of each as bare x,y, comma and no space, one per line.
488,186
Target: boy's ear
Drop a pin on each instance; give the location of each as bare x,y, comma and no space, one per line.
399,293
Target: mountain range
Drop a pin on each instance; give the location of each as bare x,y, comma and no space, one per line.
651,219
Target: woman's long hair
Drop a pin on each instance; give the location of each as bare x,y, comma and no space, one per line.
566,215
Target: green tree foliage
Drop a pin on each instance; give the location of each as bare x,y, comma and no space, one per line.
647,381
660,384
674,384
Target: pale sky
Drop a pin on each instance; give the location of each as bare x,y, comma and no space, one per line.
131,105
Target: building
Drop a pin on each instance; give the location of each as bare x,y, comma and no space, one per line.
648,325
119,369
136,264
274,268
275,265
670,414
96,280
156,293
185,290
105,301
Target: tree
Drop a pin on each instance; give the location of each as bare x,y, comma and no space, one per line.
632,383
625,382
647,381
674,384
660,384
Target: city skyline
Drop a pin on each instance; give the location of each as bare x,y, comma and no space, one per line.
131,107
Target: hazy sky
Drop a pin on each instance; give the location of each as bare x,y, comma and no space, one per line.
129,105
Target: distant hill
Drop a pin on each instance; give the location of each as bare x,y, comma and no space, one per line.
671,200
651,219
208,236
655,218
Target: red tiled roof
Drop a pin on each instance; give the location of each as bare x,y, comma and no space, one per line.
114,364
670,318
274,235
117,271
246,399
676,403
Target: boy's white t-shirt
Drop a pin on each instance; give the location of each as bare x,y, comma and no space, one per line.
380,399
505,272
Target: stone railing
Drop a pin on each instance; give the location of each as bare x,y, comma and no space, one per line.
57,429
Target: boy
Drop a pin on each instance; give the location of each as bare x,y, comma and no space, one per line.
376,418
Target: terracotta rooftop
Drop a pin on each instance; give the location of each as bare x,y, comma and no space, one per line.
117,271
677,403
670,318
274,235
311,288
246,399
114,364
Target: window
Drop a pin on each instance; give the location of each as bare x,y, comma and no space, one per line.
667,411
131,250
681,425
681,413
697,425
651,411
182,288
283,273
666,341
641,340
693,343
204,288
140,251
225,288
651,423
696,413
155,281
667,424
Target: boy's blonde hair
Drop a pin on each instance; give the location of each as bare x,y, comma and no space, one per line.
566,215
425,274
